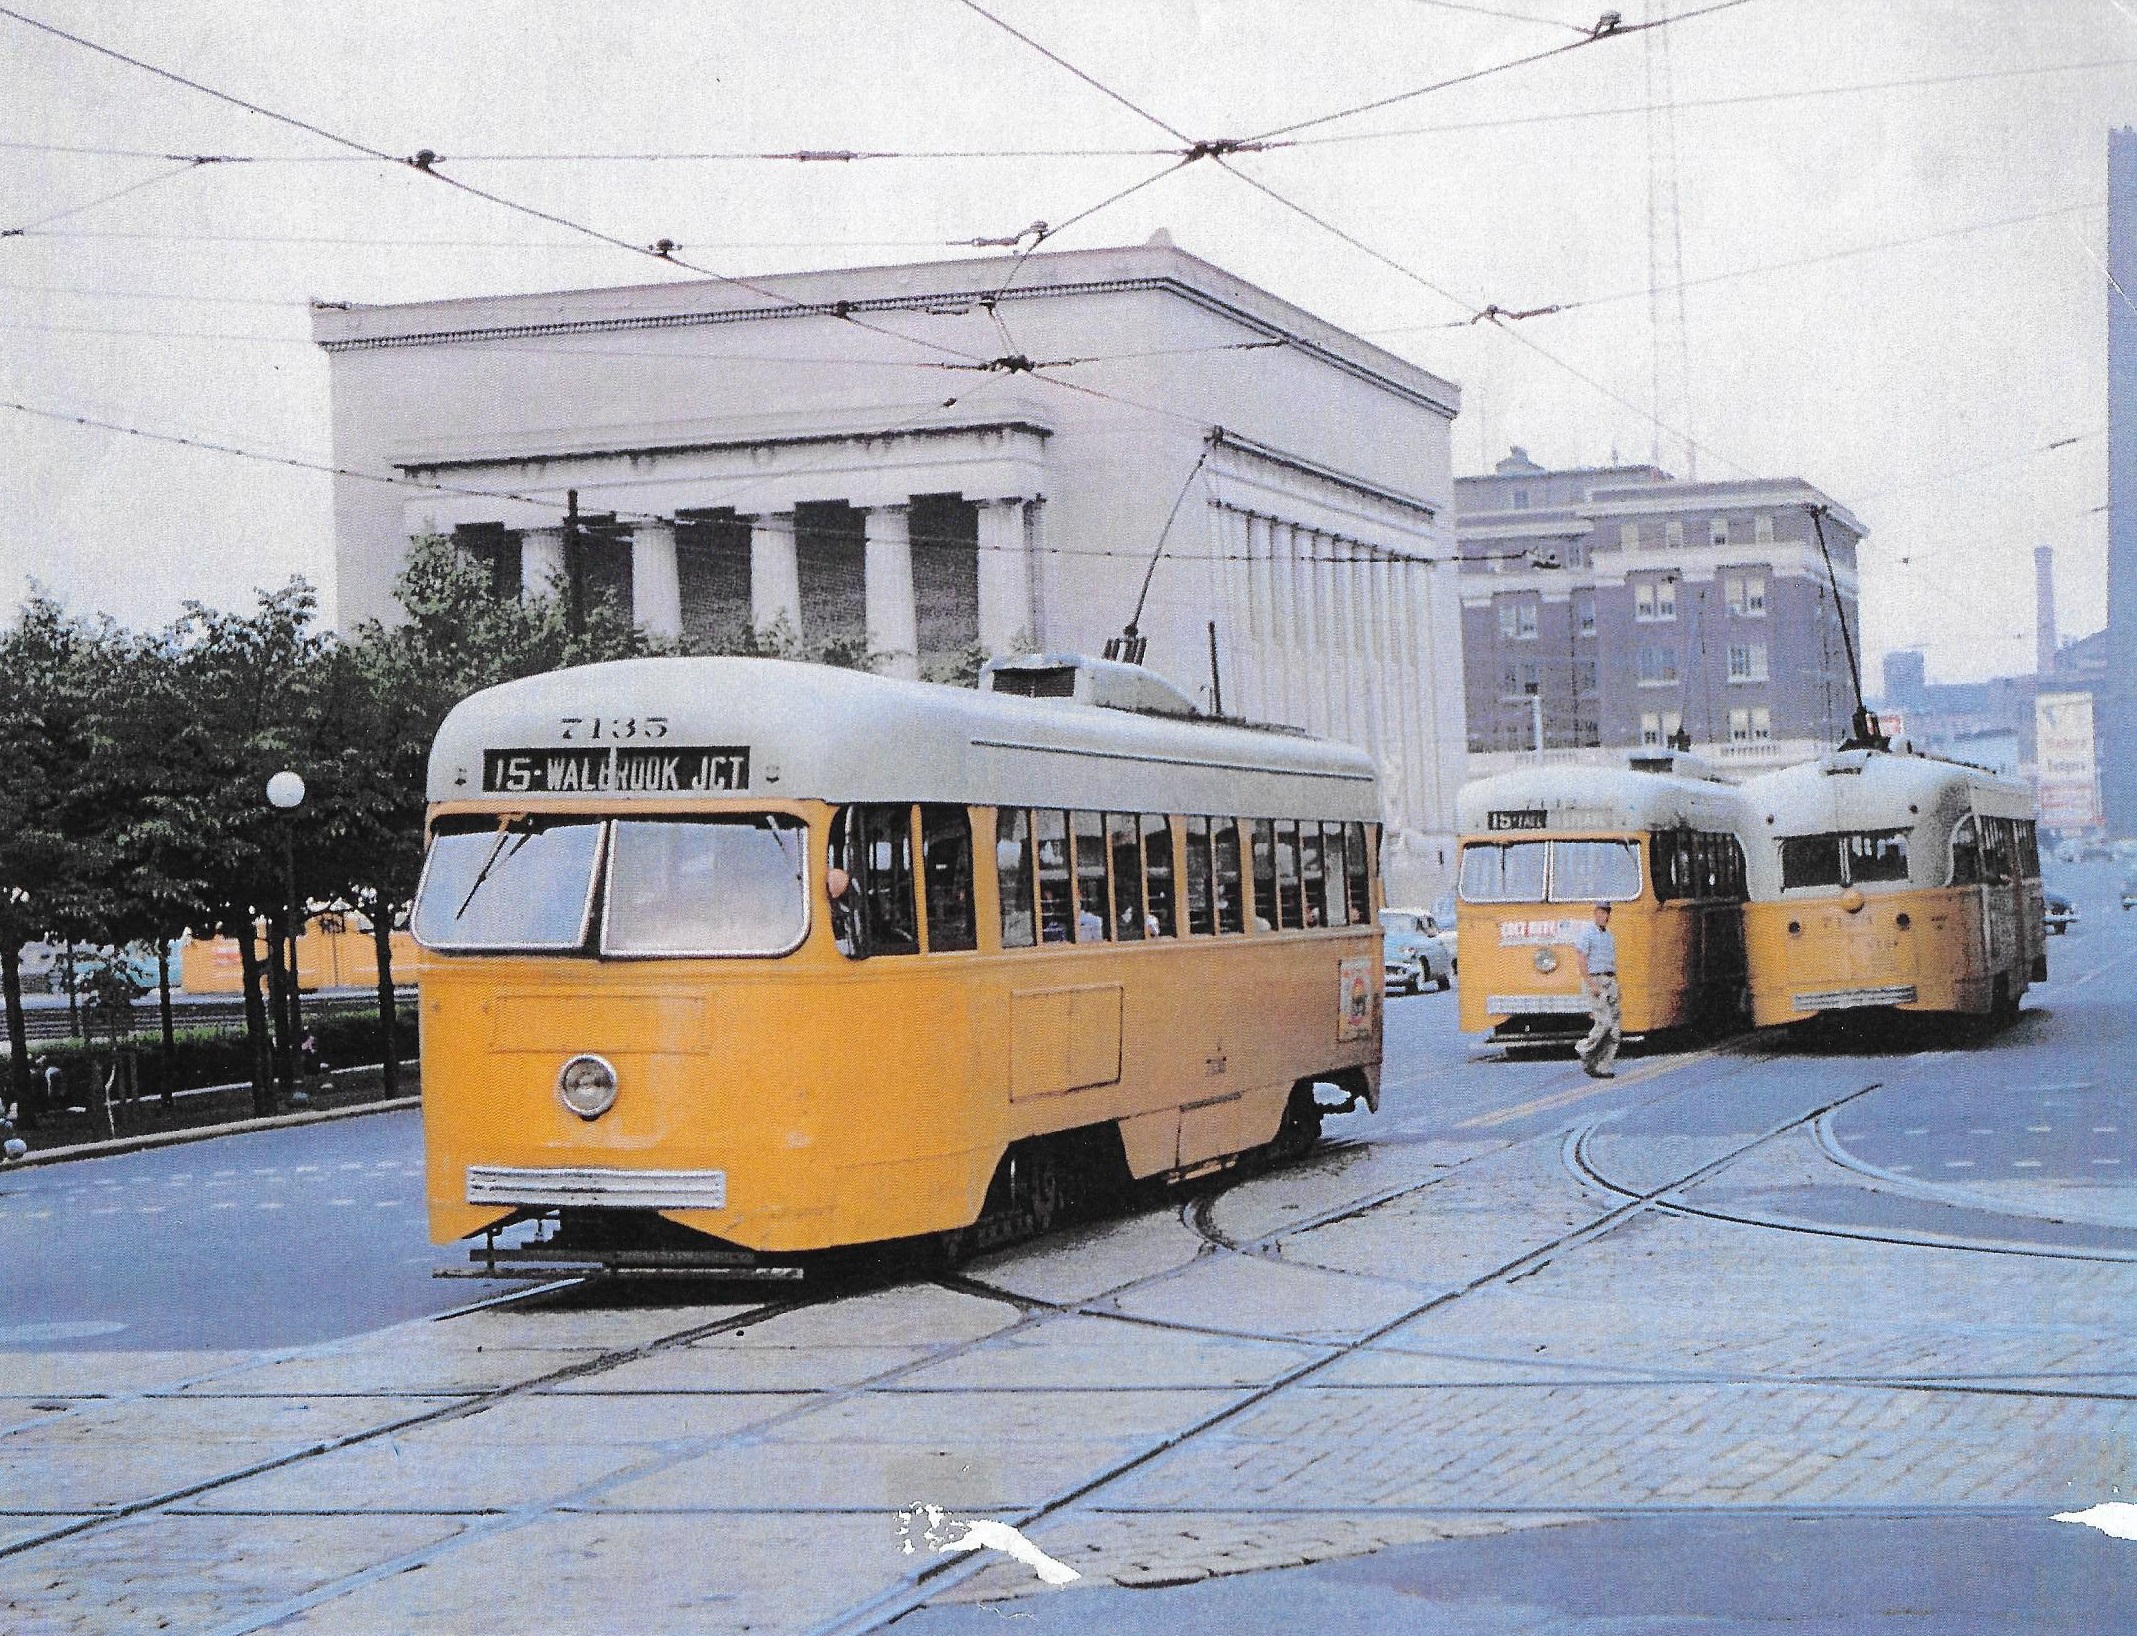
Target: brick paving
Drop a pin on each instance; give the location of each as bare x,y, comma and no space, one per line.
1329,1371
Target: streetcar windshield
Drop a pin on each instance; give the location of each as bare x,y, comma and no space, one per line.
1594,871
1844,858
523,884
719,886
1509,872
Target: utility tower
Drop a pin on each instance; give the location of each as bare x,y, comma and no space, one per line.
1670,397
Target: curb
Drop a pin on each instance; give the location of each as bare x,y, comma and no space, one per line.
201,1133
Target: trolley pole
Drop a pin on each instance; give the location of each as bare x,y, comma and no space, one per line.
1536,721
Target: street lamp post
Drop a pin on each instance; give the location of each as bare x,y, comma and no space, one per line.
285,793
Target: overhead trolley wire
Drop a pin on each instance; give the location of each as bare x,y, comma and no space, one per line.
550,503
184,168
1609,28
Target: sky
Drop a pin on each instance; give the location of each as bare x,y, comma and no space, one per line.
1890,217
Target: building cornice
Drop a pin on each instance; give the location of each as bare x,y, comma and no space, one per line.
340,328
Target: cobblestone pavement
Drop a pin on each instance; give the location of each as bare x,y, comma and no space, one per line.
1516,1301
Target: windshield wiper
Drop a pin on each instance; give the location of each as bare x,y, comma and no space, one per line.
505,833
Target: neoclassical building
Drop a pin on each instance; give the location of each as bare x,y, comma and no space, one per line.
929,459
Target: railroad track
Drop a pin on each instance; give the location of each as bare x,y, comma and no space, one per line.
930,1577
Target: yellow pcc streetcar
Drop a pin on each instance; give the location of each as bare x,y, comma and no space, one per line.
736,958
1542,846
1882,879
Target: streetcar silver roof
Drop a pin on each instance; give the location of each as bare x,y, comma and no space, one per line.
1597,798
1876,789
822,733
1873,790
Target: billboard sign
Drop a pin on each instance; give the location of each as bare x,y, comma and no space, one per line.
2068,767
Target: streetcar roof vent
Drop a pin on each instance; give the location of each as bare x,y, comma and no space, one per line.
1675,763
1079,677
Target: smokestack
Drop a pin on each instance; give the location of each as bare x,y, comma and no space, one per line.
2044,610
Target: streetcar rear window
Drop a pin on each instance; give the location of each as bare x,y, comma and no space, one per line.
1876,855
1594,871
524,885
1846,858
1810,860
1510,872
710,886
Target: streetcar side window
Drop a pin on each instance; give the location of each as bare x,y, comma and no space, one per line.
946,864
1012,862
1201,905
1226,884
1057,892
1159,908
1094,912
1358,874
1264,833
1503,872
1965,853
1290,903
2029,849
1124,843
1313,875
873,843
1998,860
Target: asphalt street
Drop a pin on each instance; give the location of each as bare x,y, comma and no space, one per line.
1810,1334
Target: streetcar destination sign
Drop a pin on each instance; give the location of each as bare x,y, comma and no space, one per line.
716,769
1524,818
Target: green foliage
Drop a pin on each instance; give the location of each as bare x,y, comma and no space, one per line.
218,1057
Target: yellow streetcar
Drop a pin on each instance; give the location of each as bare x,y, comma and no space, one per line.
729,959
1542,846
1892,880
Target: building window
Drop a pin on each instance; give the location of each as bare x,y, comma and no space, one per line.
1584,613
1584,677
1576,554
1747,595
1657,727
1658,667
1517,618
1519,681
1673,534
1509,681
1762,528
1718,531
1629,536
1521,499
1752,726
1747,661
1654,599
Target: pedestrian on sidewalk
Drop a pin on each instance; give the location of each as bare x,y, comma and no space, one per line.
1597,952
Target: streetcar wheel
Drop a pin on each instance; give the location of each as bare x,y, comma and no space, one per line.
1301,1129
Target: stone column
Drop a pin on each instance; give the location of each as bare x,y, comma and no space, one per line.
1262,628
656,582
1005,612
893,615
774,575
542,567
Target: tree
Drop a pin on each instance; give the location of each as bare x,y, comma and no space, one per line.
47,862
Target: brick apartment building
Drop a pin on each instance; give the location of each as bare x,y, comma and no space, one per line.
1623,606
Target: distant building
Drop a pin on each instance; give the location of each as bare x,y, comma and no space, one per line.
1999,723
2117,720
848,454
1622,607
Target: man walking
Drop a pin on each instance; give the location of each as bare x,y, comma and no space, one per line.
1597,952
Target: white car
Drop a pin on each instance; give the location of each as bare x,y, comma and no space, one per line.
1412,952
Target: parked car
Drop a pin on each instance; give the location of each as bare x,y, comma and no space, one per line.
1442,922
2129,893
2060,913
1412,954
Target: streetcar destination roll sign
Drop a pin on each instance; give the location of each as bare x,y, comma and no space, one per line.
704,769
1522,818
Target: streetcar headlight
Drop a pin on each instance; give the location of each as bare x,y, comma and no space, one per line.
1546,961
587,1086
